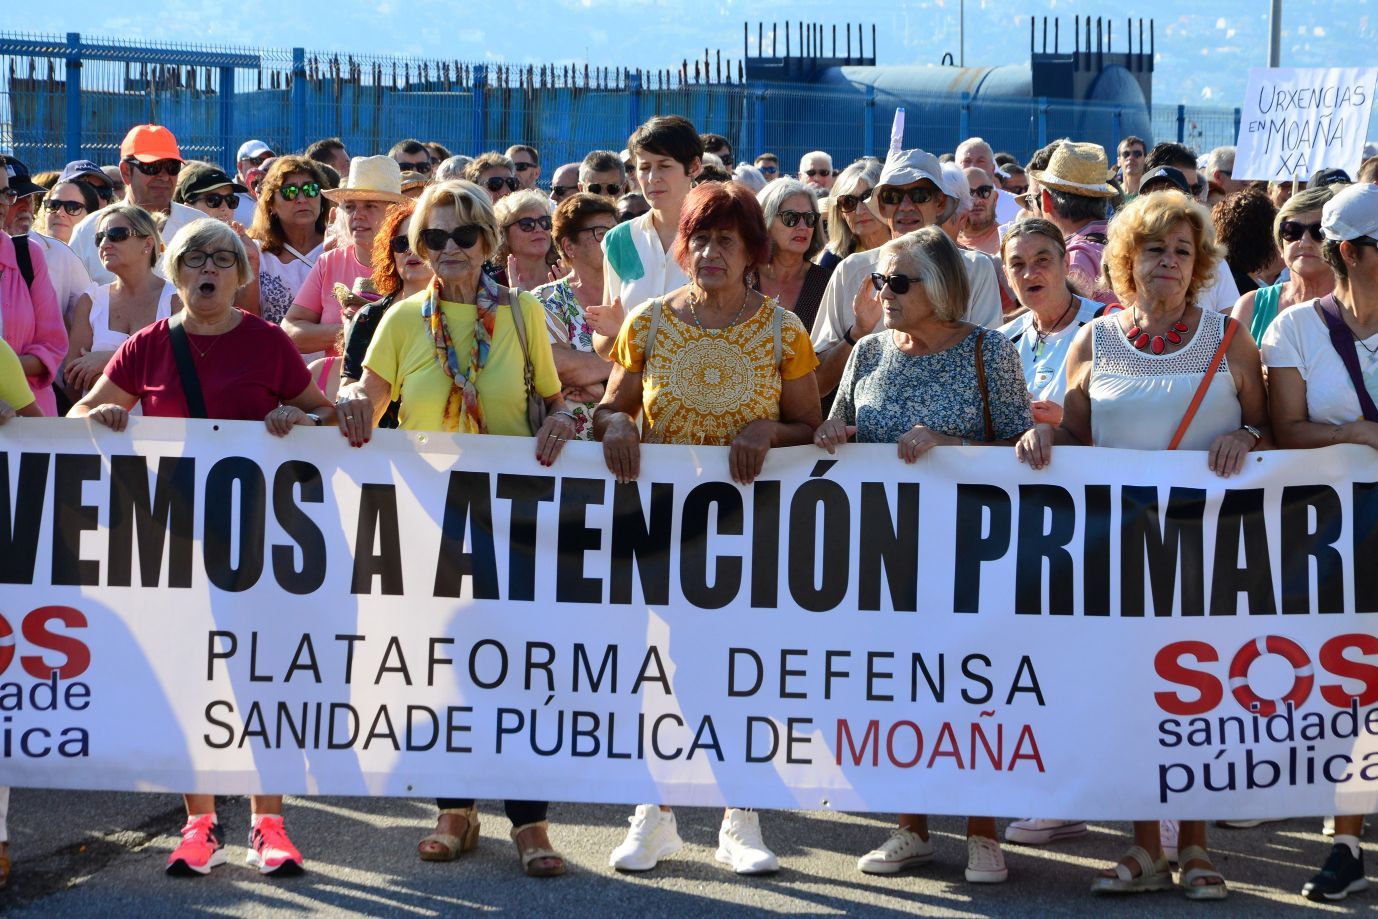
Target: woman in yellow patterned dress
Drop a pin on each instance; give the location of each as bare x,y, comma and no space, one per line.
710,363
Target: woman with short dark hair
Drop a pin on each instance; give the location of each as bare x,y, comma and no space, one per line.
65,206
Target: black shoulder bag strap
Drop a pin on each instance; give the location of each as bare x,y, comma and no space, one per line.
181,353
24,258
1342,339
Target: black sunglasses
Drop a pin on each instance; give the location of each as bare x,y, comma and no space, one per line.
104,192
529,224
919,194
496,182
1017,190
167,167
9,196
216,199
612,188
465,237
522,167
423,167
849,203
1292,230
813,173
399,244
792,218
290,192
115,235
559,191
769,170
983,191
71,207
899,283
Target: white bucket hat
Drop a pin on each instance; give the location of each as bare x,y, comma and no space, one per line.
906,167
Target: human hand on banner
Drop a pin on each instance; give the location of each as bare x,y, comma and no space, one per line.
1035,446
282,419
918,440
112,416
622,448
747,455
559,426
354,413
1229,451
832,432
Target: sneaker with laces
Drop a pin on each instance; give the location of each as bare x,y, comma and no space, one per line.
903,850
1039,831
653,835
270,851
1342,875
985,861
741,846
202,848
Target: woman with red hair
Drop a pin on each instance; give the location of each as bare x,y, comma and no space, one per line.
713,362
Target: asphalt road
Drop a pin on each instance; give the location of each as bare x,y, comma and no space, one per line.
99,854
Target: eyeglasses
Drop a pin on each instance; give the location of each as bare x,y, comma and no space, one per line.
522,167
72,208
423,167
983,191
792,218
167,167
216,199
919,194
848,203
9,196
1292,230
814,173
529,224
290,192
399,244
612,189
465,237
899,283
597,232
220,258
115,235
496,182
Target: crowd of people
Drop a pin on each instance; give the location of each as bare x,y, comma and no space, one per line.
669,293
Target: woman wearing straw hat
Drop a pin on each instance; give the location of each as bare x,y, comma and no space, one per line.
315,318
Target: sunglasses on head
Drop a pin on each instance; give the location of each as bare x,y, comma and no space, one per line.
399,244
115,235
899,283
423,167
220,258
919,194
814,173
497,182
598,232
1292,230
290,192
529,224
612,188
983,191
792,218
465,237
72,208
167,167
849,203
522,167
216,199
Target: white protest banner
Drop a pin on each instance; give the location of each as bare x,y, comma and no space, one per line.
200,606
1296,122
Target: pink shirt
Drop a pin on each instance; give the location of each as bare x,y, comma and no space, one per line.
32,318
1084,251
317,292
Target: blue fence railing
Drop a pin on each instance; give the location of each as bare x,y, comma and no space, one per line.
64,98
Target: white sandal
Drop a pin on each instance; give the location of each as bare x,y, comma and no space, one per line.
1213,889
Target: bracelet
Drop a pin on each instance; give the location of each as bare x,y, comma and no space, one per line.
567,413
847,337
1250,429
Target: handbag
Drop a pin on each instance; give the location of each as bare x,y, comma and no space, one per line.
1196,399
985,390
535,405
1342,340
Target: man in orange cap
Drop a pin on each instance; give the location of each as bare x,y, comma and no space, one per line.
149,163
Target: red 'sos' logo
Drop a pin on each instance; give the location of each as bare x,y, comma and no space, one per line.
54,651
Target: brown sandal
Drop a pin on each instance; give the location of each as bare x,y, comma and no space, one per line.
530,856
450,845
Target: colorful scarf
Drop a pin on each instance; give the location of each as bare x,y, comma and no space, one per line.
462,411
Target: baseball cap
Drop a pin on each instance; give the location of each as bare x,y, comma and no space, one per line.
1326,177
202,177
149,143
76,169
20,181
1169,175
252,149
1351,213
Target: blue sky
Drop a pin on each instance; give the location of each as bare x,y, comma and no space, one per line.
1204,49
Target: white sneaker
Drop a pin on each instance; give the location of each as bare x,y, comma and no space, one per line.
904,849
985,861
1039,831
740,844
653,835
1167,832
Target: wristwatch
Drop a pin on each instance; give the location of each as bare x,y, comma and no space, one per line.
1258,435
847,337
315,419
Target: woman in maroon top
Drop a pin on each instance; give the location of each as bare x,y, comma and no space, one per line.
248,370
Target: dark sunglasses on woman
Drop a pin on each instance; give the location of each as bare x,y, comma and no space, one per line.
290,192
848,203
919,194
899,283
496,182
215,199
529,224
1292,230
465,237
72,208
399,244
167,167
791,218
115,235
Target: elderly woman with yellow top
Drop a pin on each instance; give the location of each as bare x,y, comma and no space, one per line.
712,362
456,355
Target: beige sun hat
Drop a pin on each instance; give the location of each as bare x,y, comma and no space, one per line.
1078,169
375,178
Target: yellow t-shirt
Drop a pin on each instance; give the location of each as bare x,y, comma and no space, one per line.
704,386
403,353
14,388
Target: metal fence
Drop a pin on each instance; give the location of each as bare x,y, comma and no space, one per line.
69,98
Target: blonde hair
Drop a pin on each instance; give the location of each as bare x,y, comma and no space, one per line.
470,204
1151,217
506,210
140,221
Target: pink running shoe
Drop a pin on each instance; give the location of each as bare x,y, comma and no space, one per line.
270,851
202,848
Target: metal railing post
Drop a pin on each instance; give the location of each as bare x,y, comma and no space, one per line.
964,119
633,102
73,138
1181,124
1235,135
227,148
297,129
480,106
1042,121
869,118
758,136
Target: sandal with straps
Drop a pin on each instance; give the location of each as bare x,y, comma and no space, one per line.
1154,875
1214,887
529,857
450,846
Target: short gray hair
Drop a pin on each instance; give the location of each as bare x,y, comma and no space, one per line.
600,161
817,154
1221,159
208,235
968,144
934,259
773,198
470,204
452,168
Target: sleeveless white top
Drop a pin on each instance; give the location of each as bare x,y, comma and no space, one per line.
104,338
1138,398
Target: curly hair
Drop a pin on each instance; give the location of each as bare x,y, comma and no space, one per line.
1152,217
1243,225
386,280
266,228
